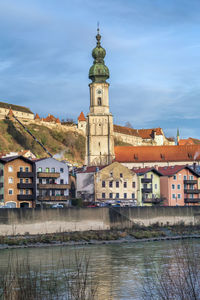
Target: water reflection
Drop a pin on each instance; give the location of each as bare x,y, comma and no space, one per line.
119,269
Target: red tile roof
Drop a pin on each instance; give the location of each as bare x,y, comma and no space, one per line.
172,170
189,141
149,133
37,117
90,169
81,117
58,121
125,130
141,171
157,153
49,118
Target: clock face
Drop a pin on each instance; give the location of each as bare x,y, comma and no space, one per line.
99,91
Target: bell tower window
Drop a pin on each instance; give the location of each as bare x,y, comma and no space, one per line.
99,101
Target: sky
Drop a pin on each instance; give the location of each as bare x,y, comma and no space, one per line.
153,54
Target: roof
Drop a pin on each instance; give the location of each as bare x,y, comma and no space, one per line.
37,117
81,117
90,169
125,130
49,118
149,133
58,121
15,107
141,171
157,153
171,170
189,141
11,158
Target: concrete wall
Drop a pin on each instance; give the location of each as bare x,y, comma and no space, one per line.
36,221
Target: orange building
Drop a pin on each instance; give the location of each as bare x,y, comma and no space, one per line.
17,182
179,186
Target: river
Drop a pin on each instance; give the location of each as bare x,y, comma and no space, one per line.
119,269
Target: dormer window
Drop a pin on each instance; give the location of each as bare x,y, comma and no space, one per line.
99,101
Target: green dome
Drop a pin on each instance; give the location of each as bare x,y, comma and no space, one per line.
99,72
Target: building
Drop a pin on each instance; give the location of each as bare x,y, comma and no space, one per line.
149,156
52,179
21,112
179,185
99,127
17,182
148,187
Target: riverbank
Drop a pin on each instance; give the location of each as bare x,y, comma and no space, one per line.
129,235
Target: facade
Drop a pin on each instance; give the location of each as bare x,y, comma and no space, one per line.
148,187
21,112
17,182
99,127
116,182
150,156
180,186
52,180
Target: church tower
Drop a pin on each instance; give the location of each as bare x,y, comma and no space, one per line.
99,129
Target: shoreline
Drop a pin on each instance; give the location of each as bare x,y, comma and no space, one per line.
100,242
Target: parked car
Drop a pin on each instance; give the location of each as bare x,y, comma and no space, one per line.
57,205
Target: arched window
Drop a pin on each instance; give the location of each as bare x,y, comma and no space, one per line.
99,101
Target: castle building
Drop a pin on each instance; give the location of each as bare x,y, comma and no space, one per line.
99,126
21,112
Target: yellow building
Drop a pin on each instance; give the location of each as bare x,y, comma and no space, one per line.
148,183
116,182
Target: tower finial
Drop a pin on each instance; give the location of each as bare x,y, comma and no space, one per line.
98,27
98,36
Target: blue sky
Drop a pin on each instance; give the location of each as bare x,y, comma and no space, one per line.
153,53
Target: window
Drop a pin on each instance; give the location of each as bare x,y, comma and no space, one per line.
21,169
191,196
117,184
133,184
174,177
27,192
99,101
133,196
185,177
61,181
21,180
185,186
111,174
174,196
10,169
125,195
103,184
10,180
21,192
110,183
191,177
173,186
110,195
145,175
178,186
40,169
47,170
156,186
40,180
53,170
151,176
26,169
125,184
26,180
117,195
61,170
121,175
179,196
10,192
103,195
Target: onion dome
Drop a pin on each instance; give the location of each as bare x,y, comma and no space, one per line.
99,72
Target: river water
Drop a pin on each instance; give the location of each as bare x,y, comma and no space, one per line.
119,269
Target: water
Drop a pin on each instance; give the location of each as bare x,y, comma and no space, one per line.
120,269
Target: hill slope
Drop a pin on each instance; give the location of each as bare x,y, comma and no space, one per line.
70,145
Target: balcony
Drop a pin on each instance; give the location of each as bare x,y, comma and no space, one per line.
25,197
48,175
52,198
25,174
192,200
191,191
25,185
190,181
1,184
1,197
146,180
1,172
147,190
152,200
53,186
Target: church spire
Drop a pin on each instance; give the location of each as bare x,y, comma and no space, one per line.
99,72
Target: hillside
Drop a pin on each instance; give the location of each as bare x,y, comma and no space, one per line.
70,145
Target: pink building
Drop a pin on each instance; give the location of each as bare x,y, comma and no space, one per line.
179,185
